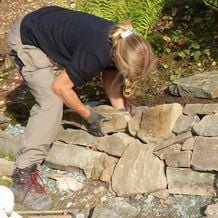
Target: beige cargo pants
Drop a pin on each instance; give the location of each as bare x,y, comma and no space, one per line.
46,115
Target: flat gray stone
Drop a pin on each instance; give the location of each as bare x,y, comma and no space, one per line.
205,154
188,144
208,126
134,122
203,85
200,109
187,181
117,123
174,157
174,140
76,137
115,144
67,157
185,123
137,171
165,153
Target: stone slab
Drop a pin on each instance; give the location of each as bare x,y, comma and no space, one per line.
114,144
137,171
174,157
117,123
157,122
212,210
184,123
66,157
200,109
174,140
208,126
188,144
205,154
203,85
187,181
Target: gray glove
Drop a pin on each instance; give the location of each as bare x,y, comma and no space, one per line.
95,121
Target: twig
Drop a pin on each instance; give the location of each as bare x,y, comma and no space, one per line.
40,212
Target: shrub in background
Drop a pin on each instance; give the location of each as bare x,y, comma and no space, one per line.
212,3
142,13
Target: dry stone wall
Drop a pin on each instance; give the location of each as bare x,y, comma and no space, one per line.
163,149
157,150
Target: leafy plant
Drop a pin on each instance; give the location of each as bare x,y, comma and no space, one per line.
212,3
174,75
143,14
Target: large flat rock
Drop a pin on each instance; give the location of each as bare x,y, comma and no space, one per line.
203,85
117,123
187,181
205,154
137,171
157,122
114,144
94,164
200,109
208,126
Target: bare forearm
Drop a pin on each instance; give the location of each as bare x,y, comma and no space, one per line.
63,87
71,100
112,85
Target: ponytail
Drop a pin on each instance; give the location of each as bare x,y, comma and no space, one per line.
132,54
118,29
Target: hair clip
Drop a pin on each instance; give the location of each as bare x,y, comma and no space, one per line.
127,33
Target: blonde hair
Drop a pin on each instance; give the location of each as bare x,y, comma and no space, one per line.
131,54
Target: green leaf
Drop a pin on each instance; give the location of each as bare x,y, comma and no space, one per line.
187,51
174,11
181,54
207,51
167,50
195,45
197,55
173,77
164,66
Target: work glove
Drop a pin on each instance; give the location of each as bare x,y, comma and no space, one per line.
95,123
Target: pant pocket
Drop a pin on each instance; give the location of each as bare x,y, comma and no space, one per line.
34,57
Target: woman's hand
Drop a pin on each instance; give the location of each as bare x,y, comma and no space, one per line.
113,87
95,123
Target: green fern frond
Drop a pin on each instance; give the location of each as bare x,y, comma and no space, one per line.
143,14
212,3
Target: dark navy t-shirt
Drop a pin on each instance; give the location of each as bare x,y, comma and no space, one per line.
77,41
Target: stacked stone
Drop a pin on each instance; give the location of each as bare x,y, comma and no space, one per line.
159,150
